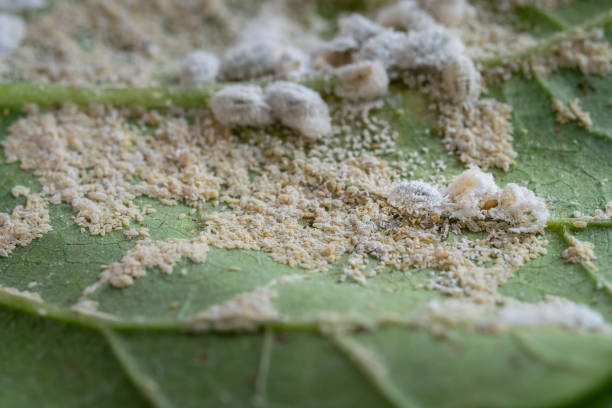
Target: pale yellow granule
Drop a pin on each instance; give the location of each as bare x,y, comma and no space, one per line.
572,112
91,162
19,191
579,251
588,51
506,251
281,198
24,224
481,133
242,312
136,233
149,254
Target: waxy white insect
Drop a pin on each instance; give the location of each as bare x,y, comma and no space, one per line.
470,192
431,48
299,108
448,12
415,197
293,64
241,105
522,208
358,27
12,32
199,67
461,79
362,80
384,47
405,15
249,60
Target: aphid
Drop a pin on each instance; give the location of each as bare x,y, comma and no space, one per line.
241,105
358,27
448,12
299,108
461,79
470,192
405,15
522,208
416,197
431,48
199,67
362,80
12,32
383,47
250,59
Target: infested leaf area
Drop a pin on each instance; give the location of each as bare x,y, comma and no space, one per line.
148,356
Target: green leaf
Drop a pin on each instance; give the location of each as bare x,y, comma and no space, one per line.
49,364
338,344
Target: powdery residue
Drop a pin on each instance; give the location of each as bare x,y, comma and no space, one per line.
89,307
588,51
495,314
25,294
149,254
242,312
24,224
551,312
481,134
91,161
300,210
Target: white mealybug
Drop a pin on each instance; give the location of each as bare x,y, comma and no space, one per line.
461,79
12,32
250,59
362,80
299,108
19,5
358,27
241,105
471,192
199,67
416,197
430,48
293,64
448,12
383,47
522,208
405,15
339,51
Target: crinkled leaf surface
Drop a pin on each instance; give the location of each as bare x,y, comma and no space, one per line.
146,358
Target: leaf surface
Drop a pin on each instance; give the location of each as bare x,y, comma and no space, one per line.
147,354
